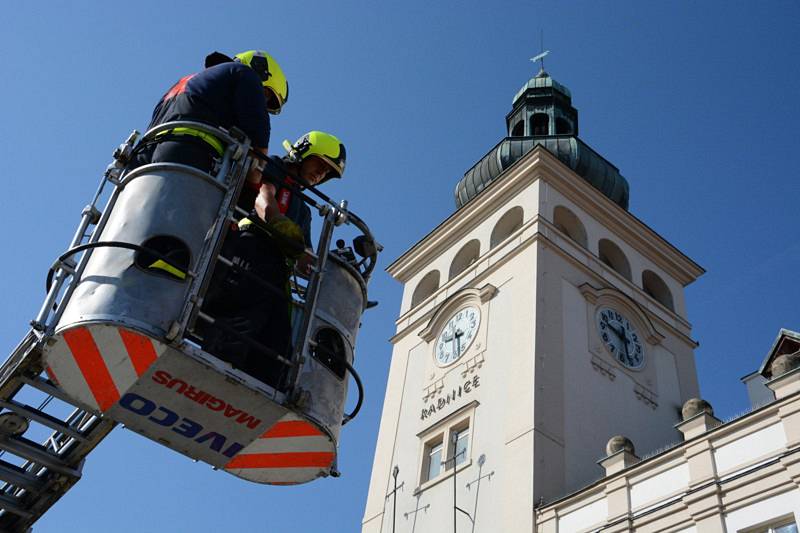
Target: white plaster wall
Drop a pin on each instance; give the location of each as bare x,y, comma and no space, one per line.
582,391
551,198
596,231
384,452
502,426
584,517
539,397
763,511
667,381
482,230
599,407
659,486
749,448
758,393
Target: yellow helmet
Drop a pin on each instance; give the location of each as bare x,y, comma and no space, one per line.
323,145
271,77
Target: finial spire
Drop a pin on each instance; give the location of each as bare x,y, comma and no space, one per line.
540,57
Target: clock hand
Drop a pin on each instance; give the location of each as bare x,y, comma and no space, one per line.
627,353
617,332
458,334
620,333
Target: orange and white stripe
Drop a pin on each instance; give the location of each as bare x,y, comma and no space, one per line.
292,451
96,364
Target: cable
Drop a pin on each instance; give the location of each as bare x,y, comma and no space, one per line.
110,244
348,417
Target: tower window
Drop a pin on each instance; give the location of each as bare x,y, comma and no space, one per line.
611,255
566,221
519,129
655,287
785,525
563,127
466,256
439,455
433,458
510,222
540,124
427,286
460,443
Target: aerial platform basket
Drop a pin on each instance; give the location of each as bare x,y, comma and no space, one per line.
122,341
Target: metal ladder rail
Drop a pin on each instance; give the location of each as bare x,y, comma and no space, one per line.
49,468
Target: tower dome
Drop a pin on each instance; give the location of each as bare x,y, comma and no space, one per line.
542,107
542,115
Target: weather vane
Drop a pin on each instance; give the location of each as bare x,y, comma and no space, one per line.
540,57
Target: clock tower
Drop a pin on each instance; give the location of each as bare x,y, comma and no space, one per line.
538,320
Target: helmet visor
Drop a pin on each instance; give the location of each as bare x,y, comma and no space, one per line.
274,101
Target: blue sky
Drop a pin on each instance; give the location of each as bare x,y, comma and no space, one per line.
695,102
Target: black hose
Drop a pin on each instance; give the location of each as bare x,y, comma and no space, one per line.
348,417
119,244
110,244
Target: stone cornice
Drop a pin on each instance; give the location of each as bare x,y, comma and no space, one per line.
414,317
633,231
466,218
722,434
538,164
525,236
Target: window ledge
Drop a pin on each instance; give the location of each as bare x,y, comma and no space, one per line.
441,477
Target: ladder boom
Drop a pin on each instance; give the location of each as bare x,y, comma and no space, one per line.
34,474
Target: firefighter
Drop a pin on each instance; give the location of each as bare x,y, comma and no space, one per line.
269,248
230,92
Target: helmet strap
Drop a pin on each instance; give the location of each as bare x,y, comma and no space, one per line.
261,66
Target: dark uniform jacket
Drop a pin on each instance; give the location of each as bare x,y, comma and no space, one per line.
293,207
226,95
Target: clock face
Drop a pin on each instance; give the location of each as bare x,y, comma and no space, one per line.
457,335
620,337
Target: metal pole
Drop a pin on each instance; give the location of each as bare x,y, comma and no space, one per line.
395,471
454,439
312,292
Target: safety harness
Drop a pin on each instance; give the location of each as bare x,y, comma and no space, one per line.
209,139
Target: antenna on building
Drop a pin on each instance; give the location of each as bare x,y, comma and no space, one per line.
393,494
540,57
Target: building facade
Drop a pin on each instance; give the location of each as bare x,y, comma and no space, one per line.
538,321
741,476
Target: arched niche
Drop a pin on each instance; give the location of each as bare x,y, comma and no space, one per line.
426,286
569,223
611,255
467,255
655,287
540,124
510,222
519,129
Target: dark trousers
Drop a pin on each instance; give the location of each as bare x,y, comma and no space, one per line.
245,308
